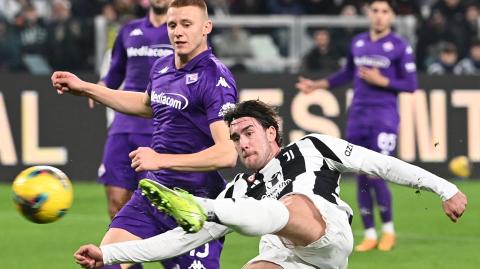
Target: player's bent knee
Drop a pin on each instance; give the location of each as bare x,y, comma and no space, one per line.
263,265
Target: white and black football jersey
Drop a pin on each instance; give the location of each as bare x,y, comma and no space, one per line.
315,163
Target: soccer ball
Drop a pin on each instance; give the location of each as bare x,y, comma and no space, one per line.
460,166
42,194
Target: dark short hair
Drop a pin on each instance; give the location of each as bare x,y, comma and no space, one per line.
391,3
185,3
266,115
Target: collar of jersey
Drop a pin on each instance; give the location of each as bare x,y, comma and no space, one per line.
193,62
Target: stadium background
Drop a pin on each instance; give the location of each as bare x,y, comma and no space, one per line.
266,53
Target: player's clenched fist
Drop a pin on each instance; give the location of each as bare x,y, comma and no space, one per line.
455,206
145,159
89,256
67,82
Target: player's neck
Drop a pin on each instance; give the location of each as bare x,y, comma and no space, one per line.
157,19
182,60
375,35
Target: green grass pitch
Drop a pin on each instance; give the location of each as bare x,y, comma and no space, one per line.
426,238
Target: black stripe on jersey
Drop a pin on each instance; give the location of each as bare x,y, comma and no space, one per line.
229,192
325,184
323,149
291,161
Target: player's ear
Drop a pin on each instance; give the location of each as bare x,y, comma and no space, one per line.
207,28
271,134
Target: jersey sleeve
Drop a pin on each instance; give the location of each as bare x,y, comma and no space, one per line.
343,156
154,248
220,92
118,64
406,79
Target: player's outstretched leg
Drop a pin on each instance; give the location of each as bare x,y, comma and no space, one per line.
177,203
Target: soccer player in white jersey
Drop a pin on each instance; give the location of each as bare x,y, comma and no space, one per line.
292,199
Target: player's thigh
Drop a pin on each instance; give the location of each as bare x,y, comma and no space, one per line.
305,224
115,235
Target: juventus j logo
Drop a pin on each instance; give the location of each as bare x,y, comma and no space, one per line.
289,155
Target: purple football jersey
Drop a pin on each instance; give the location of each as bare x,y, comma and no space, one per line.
393,56
185,102
138,45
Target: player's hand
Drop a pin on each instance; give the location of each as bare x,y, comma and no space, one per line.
67,82
455,206
372,76
89,256
91,103
307,86
144,158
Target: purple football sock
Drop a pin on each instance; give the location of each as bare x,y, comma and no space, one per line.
365,201
384,198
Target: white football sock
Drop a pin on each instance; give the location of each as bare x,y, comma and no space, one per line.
370,233
388,228
247,215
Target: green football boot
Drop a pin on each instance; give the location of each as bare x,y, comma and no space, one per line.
177,203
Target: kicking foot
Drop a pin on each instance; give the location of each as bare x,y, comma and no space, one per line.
177,203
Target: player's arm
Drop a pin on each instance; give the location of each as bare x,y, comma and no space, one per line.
134,103
339,78
346,157
117,68
407,75
163,246
222,154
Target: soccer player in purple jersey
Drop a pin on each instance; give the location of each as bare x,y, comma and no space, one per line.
138,45
381,65
187,94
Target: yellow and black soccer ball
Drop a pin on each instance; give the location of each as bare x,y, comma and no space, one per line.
42,194
460,166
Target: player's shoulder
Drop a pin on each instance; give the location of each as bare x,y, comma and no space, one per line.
360,37
215,66
163,63
218,72
400,42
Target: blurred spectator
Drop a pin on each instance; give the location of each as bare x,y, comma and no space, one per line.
218,7
323,56
68,45
9,47
472,18
32,31
470,65
435,30
247,7
452,10
290,7
454,14
235,44
446,60
343,36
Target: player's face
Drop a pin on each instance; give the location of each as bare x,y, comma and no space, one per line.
188,28
381,16
252,142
